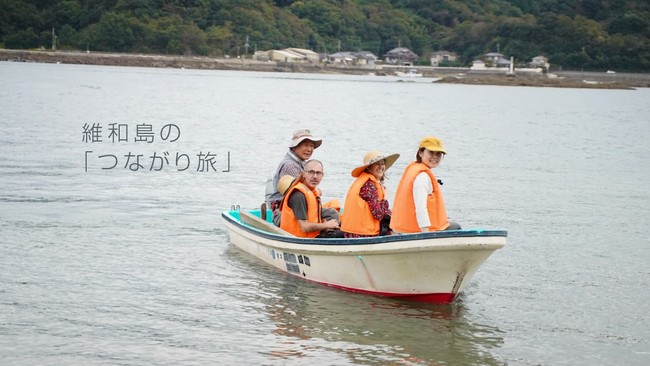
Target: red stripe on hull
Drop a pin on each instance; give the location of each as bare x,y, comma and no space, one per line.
435,298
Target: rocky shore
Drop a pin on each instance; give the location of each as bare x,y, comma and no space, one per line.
441,75
543,81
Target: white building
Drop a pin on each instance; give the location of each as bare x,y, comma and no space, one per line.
442,57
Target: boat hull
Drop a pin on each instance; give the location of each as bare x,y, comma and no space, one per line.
426,267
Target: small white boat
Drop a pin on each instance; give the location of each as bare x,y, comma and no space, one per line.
427,267
412,73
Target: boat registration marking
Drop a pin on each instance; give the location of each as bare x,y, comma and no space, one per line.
293,261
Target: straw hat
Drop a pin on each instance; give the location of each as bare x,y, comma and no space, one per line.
302,135
373,157
284,183
432,144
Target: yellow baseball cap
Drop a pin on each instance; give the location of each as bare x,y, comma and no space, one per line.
433,144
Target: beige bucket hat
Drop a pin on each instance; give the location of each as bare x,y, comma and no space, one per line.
302,135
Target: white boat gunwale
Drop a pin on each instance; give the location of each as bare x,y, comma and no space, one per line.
230,217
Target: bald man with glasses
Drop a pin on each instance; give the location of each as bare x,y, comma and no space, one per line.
302,213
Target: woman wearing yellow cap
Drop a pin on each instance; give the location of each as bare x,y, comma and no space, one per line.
366,205
418,205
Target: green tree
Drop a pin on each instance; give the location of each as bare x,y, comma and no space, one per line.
67,12
68,38
115,32
631,23
16,15
581,33
323,17
219,39
193,40
22,39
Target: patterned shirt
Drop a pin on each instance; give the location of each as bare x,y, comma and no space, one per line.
290,169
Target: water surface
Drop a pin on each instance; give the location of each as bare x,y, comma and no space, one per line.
122,267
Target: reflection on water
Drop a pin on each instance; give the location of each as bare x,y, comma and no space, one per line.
366,329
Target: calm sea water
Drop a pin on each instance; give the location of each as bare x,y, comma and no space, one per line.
132,265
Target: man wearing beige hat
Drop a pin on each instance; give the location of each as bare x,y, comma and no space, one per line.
301,147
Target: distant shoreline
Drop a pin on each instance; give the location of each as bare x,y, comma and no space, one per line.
442,75
555,82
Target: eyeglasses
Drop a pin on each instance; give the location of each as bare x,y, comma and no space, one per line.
313,172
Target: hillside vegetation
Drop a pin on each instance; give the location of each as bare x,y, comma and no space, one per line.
573,34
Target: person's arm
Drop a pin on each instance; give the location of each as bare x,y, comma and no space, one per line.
422,188
378,208
298,204
309,227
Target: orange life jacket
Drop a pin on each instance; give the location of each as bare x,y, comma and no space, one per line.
288,220
357,217
403,218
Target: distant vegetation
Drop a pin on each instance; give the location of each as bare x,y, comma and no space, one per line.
574,34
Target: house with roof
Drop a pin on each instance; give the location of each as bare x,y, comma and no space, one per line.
352,58
366,58
400,56
495,59
442,57
539,61
481,67
503,62
309,55
342,58
286,56
492,57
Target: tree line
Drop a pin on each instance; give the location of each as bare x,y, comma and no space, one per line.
573,34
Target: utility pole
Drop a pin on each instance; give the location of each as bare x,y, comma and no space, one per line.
53,40
246,45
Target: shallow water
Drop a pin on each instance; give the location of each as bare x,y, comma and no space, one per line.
122,267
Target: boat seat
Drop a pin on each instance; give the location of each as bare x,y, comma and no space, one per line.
254,221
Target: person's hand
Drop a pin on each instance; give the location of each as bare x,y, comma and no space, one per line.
331,224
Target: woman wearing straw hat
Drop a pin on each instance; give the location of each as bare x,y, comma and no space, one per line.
366,205
418,205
